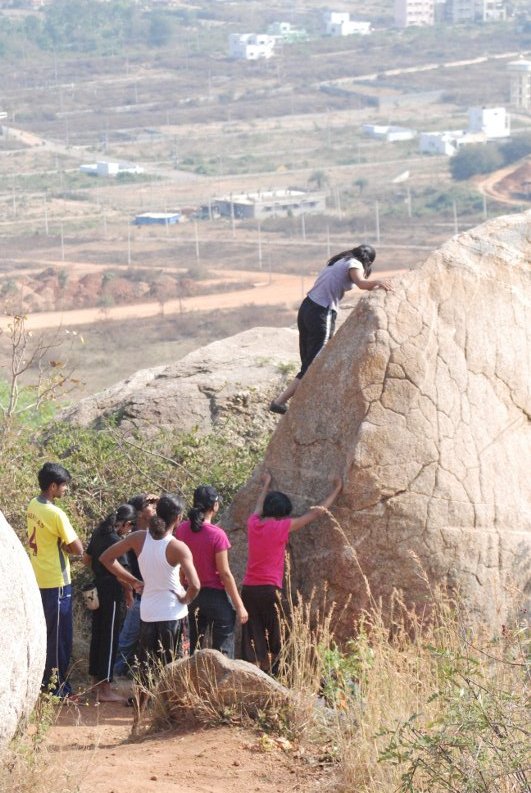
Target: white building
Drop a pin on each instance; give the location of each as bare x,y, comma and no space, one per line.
270,203
391,134
447,142
105,168
251,46
338,23
520,74
419,13
475,11
493,122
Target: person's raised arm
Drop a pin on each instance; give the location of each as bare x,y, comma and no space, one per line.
109,559
312,514
366,283
225,574
266,481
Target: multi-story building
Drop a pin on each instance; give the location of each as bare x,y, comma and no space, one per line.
338,23
493,122
419,13
251,46
475,11
520,74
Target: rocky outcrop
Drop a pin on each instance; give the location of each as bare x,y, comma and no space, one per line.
23,651
210,682
421,402
231,377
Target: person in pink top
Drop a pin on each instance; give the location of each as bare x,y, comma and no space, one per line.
213,612
268,530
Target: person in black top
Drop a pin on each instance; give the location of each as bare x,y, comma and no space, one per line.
145,505
106,619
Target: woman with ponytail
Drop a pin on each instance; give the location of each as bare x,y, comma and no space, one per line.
318,311
161,559
106,619
214,610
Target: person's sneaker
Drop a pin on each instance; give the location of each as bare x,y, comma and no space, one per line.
274,407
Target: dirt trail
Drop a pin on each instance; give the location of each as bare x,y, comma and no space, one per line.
488,186
91,744
279,289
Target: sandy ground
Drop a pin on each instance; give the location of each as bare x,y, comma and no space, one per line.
92,746
278,289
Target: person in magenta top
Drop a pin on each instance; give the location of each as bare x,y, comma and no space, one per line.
214,610
268,530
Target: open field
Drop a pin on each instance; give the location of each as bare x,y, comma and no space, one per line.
203,126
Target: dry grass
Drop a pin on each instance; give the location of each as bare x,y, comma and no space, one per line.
29,766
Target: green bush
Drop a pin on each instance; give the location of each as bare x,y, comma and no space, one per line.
473,159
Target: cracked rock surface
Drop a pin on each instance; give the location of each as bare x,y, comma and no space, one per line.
421,402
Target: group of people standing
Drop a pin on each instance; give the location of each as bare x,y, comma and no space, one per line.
172,574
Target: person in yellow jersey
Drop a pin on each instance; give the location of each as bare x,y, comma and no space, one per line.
51,541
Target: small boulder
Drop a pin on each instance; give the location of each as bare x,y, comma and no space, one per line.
209,681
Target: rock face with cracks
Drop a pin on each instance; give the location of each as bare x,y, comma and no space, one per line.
23,651
421,402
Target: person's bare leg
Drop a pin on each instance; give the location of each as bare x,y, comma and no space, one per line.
278,405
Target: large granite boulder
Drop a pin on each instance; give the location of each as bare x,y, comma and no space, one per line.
234,377
23,651
421,402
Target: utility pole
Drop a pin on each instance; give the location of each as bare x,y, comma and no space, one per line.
259,245
456,225
377,220
45,215
196,233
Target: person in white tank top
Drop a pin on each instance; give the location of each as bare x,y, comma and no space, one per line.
161,558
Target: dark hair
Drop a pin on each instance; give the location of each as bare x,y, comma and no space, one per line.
157,527
276,505
363,253
140,501
52,474
124,514
168,509
205,496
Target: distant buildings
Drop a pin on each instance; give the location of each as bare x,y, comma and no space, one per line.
158,218
251,46
270,203
520,76
391,134
484,123
285,32
493,122
419,13
338,23
475,11
426,12
447,142
105,168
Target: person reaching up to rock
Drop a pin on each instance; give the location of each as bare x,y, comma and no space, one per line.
268,530
318,311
